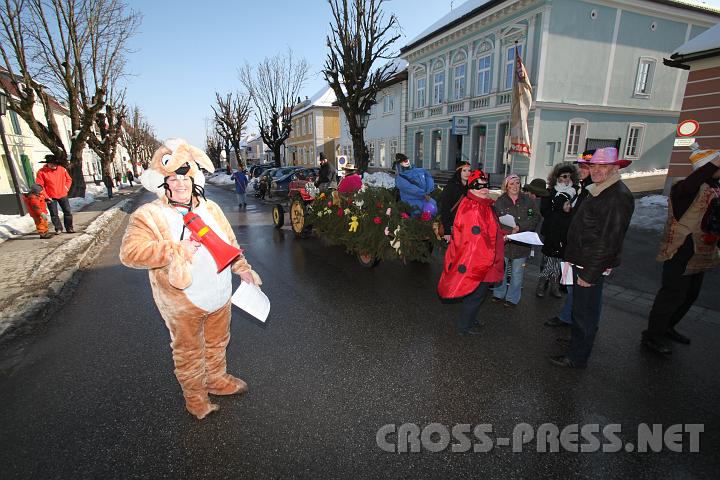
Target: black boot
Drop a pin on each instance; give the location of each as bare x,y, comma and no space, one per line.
555,288
541,286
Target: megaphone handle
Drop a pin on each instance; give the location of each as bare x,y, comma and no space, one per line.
194,237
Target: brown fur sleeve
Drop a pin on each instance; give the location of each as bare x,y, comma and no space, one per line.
240,265
147,245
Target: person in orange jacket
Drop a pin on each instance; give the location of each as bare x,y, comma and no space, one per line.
35,201
56,181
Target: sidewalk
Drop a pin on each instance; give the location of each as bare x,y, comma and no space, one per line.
35,271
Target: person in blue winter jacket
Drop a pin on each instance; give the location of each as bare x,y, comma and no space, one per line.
415,184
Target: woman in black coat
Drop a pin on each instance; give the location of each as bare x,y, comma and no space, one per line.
451,195
556,211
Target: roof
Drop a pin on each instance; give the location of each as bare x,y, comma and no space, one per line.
324,98
9,87
705,45
473,8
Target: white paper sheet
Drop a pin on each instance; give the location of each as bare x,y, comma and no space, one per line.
531,238
251,299
566,277
508,220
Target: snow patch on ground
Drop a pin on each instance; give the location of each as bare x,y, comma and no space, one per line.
650,213
220,178
649,173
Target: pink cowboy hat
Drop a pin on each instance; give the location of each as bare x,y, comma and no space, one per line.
606,156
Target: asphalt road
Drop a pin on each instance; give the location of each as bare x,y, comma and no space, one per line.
346,350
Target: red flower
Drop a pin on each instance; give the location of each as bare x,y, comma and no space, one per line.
404,215
330,204
340,212
377,220
426,216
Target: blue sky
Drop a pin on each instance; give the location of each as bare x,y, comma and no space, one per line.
187,50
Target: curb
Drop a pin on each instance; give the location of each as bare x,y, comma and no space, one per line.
49,288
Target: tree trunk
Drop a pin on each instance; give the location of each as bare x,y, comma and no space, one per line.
360,152
276,155
76,173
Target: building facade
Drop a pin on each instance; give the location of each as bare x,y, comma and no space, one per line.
596,70
315,129
700,112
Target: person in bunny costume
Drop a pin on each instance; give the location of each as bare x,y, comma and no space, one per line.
192,296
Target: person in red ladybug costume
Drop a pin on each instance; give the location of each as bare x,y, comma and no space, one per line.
474,260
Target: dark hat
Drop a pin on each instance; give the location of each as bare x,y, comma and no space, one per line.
322,156
400,157
50,158
35,188
538,187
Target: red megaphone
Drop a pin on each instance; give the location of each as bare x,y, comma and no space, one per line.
220,250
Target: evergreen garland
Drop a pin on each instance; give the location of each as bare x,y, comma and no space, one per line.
374,221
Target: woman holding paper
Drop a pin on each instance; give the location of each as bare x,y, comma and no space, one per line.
556,211
517,214
474,259
192,295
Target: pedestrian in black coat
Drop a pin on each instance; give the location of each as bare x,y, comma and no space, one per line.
451,195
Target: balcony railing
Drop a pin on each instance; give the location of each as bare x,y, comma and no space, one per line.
434,111
482,102
418,114
504,98
456,107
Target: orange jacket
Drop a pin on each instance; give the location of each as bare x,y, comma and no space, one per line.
35,203
55,182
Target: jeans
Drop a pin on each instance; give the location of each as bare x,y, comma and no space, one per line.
677,293
565,314
242,200
470,307
109,190
586,309
67,213
512,292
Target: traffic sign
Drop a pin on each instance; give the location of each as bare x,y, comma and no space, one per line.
687,128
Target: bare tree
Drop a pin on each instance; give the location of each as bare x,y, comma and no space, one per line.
138,139
360,37
274,86
213,147
105,137
69,49
231,117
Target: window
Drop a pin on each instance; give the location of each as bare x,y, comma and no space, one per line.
482,87
388,103
371,153
15,122
381,156
645,74
438,88
633,146
302,126
510,65
420,93
459,82
575,138
393,148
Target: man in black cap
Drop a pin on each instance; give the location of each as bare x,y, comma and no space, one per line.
327,174
56,181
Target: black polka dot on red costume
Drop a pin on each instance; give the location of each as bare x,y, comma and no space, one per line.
476,230
462,269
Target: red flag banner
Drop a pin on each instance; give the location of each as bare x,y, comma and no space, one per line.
521,102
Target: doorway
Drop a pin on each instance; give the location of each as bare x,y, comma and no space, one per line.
436,152
502,147
455,151
419,149
477,147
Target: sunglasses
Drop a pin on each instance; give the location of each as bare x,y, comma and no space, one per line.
479,186
565,175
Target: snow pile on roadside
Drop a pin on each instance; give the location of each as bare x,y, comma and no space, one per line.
219,178
649,173
650,213
379,179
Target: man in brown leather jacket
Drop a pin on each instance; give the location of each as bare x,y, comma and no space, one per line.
594,244
687,250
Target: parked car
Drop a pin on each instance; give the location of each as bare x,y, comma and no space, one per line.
257,170
281,186
266,178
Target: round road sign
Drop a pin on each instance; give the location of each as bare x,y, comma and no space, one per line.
687,128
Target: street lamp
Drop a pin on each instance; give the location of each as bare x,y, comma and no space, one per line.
362,119
8,158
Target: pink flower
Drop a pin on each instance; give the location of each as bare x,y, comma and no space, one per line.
388,211
377,220
330,204
426,216
387,232
340,212
404,215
